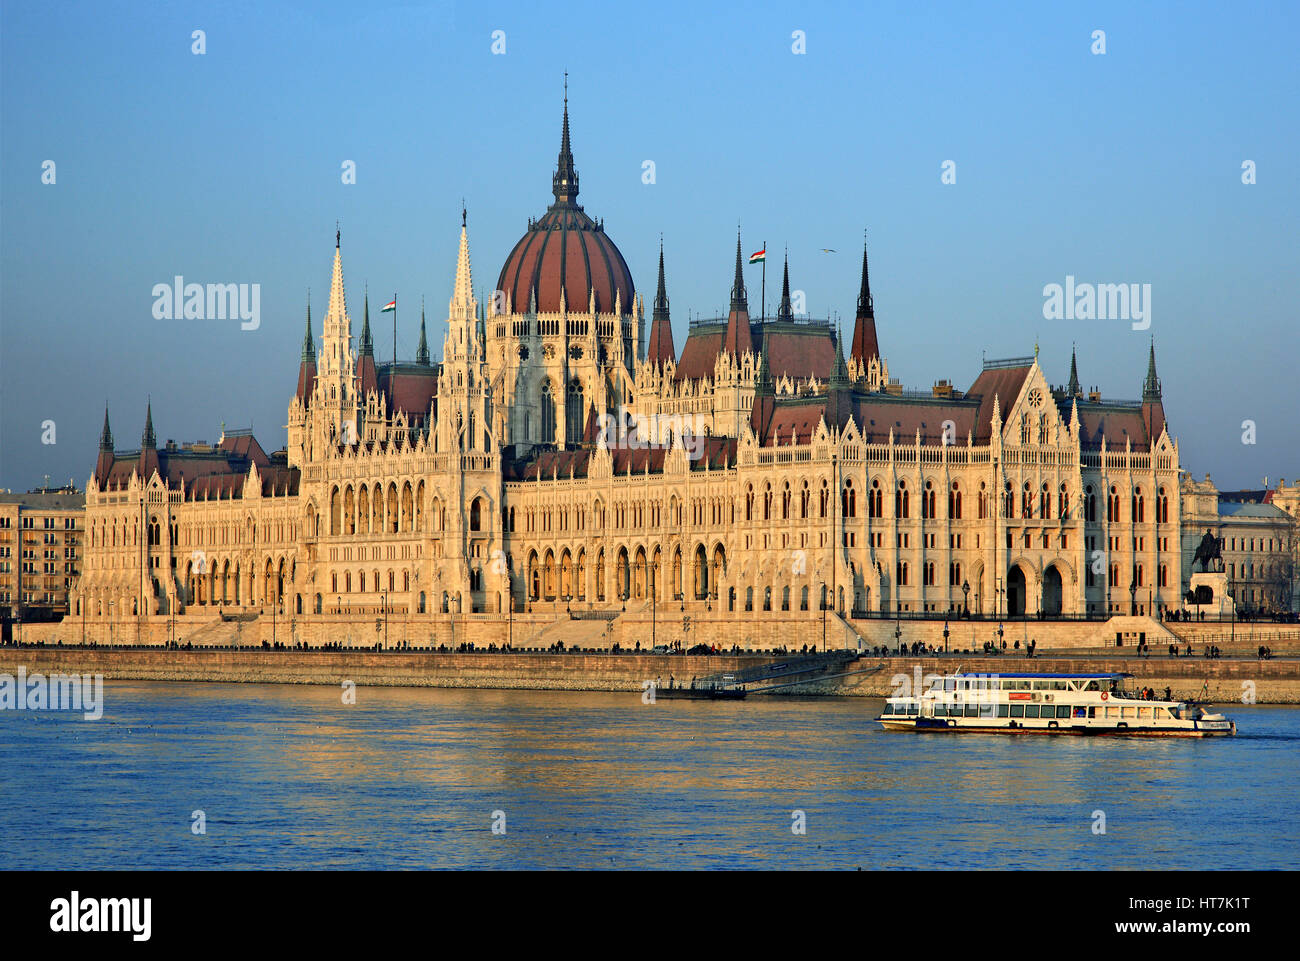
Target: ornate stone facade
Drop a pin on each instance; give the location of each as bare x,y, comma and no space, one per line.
558,459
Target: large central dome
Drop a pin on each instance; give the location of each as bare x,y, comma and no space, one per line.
566,251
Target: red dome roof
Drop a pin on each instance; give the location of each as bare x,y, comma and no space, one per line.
566,251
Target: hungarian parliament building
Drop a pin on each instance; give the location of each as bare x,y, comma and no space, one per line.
566,456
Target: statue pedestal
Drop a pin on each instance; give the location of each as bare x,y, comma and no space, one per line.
1220,602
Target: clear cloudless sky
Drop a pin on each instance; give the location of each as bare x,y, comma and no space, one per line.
226,168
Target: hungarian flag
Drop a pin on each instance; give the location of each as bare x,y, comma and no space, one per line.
759,257
391,305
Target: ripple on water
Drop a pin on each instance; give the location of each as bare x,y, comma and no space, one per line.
289,777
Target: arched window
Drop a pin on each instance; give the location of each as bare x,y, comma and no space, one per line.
1063,502
573,411
476,514
548,414
954,502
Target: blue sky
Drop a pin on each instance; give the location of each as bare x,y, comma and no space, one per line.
225,168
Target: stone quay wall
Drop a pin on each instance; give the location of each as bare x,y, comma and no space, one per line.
1227,681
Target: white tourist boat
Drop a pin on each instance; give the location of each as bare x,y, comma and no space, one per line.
1089,704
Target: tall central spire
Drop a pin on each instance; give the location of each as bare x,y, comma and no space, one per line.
565,182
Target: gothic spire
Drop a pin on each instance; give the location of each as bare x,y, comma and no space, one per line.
661,349
866,308
1073,387
738,338
308,342
785,311
422,352
840,372
462,298
147,440
865,346
337,311
565,182
1151,386
106,436
367,343
738,298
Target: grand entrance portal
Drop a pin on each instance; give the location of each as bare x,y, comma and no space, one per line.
1015,592
1052,592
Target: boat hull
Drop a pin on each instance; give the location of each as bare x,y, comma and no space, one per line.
939,726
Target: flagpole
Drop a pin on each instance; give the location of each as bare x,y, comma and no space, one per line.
762,315
394,337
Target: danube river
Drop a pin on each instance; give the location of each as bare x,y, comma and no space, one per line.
291,777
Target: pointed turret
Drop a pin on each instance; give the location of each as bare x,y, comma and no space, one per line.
148,446
660,349
1073,387
422,352
147,439
838,395
307,365
564,184
738,339
785,312
104,462
106,435
1153,407
367,348
865,347
1151,386
367,372
463,305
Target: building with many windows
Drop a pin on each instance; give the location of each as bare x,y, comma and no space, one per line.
41,543
563,455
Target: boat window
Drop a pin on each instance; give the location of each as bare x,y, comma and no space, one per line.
1112,712
1144,712
1092,686
1092,711
1062,710
1173,712
1017,710
1031,710
950,684
972,710
941,710
1002,710
913,708
985,710
1126,712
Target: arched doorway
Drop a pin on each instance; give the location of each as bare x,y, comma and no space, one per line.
1052,592
1015,592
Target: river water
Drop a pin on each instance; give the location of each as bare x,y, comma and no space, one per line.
292,777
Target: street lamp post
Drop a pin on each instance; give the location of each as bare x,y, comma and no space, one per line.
383,604
965,604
